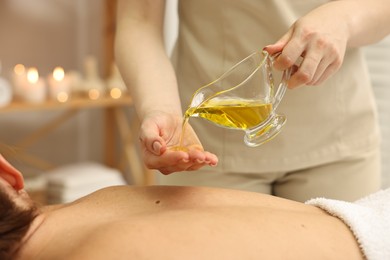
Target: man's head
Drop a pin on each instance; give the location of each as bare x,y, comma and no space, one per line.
17,211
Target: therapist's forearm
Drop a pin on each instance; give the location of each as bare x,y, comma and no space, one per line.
143,62
368,20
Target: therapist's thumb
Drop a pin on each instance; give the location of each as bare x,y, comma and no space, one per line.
273,48
150,138
157,148
153,145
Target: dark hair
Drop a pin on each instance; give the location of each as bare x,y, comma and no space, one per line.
14,224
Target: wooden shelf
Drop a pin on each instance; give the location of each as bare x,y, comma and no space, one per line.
78,102
117,124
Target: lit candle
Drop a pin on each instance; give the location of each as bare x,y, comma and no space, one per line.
75,82
59,85
35,89
115,83
5,92
19,80
115,92
93,85
94,93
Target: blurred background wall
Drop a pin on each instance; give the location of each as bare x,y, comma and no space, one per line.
46,34
378,57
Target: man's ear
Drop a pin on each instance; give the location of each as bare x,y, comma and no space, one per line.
10,174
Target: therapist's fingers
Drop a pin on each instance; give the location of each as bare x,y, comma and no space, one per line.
168,159
274,48
312,65
210,160
180,167
331,62
199,157
326,74
293,49
190,166
291,52
176,161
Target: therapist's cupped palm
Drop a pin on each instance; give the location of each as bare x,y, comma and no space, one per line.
160,134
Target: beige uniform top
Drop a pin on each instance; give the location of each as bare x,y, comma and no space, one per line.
324,123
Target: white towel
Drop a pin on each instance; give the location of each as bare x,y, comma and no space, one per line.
368,219
70,182
83,174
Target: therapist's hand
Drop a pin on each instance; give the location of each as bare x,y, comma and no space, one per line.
160,134
320,39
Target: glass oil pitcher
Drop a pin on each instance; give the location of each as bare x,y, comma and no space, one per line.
245,98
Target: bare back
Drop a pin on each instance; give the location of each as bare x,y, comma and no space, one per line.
189,223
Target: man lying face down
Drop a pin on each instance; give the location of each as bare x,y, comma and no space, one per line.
17,211
161,222
15,221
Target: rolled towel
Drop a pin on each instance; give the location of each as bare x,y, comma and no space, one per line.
367,218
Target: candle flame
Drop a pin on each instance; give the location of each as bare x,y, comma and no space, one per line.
32,75
58,73
62,97
19,69
94,94
115,93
